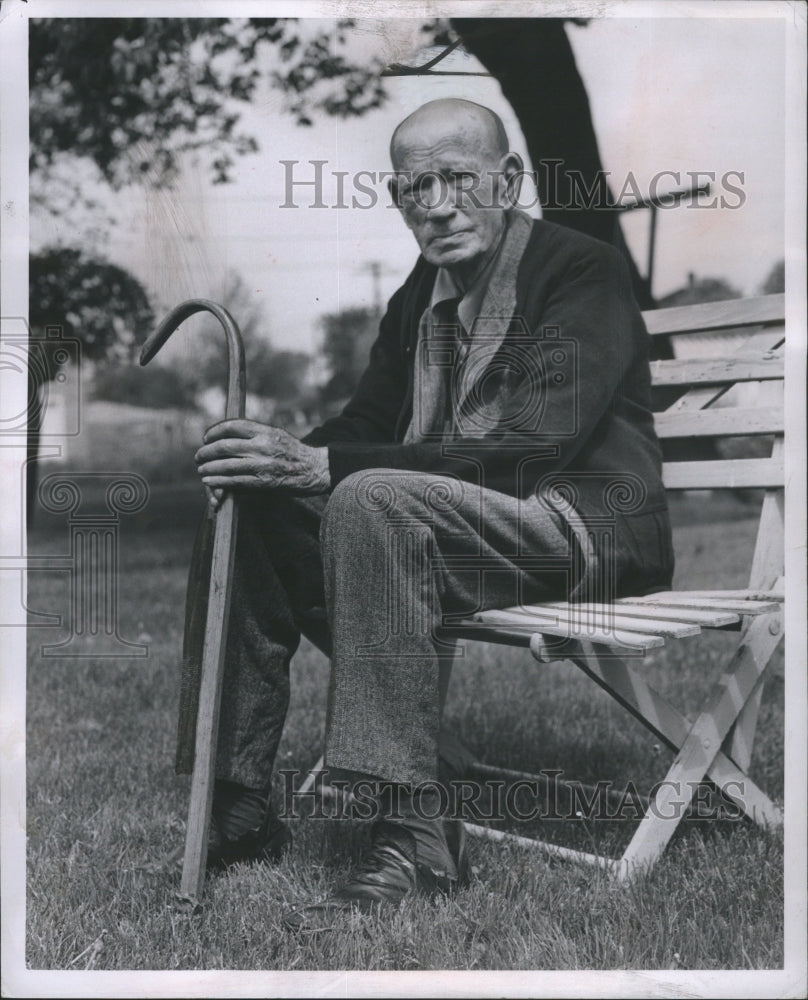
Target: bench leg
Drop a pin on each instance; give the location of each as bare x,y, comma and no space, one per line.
766,572
630,689
740,742
702,746
699,744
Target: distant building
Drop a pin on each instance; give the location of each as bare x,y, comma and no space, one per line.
159,444
699,290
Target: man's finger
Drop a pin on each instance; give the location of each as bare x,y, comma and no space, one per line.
225,467
214,496
232,482
238,428
225,448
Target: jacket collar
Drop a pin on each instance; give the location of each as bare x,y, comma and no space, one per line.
492,320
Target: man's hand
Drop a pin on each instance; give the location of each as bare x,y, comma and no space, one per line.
245,455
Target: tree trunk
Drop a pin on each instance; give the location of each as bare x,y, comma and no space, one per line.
533,61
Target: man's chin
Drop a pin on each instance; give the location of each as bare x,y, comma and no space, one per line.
450,256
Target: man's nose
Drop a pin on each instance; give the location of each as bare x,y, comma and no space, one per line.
440,202
443,209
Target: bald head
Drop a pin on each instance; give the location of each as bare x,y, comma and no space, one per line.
473,125
454,181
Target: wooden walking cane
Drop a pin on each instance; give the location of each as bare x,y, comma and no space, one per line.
218,608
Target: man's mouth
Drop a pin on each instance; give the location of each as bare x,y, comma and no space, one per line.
449,236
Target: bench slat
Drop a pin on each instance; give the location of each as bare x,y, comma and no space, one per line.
694,400
700,371
516,635
718,595
716,315
610,618
641,612
700,397
744,607
606,636
726,420
727,473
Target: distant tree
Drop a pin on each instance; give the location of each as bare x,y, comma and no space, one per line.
278,374
208,361
157,387
99,304
776,280
348,336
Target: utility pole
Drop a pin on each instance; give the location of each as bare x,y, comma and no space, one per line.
375,269
654,204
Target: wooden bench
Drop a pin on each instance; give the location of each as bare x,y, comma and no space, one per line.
743,343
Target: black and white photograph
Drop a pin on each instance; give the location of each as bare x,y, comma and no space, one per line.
402,557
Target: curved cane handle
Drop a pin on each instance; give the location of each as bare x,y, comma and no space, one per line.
236,376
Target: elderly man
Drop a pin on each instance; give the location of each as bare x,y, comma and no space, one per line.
510,367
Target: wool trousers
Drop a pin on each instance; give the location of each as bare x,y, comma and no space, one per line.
370,573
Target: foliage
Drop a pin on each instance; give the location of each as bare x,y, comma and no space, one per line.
208,363
133,94
157,386
100,304
278,374
346,346
319,61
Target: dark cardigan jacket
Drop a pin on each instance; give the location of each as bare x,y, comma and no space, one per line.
572,368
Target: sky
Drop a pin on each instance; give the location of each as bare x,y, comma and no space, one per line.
666,95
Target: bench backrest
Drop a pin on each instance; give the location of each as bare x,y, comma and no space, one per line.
737,343
727,386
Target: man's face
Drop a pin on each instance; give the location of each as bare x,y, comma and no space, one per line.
449,188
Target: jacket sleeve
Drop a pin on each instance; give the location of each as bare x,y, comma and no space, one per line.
593,309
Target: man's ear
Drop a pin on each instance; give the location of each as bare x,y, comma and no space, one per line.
512,169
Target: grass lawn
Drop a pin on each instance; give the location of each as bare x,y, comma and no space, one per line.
105,808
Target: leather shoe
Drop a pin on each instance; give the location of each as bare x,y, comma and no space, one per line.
266,843
389,872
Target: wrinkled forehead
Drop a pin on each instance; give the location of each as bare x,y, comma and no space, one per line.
432,143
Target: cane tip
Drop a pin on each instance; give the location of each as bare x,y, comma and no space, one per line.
147,352
187,904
